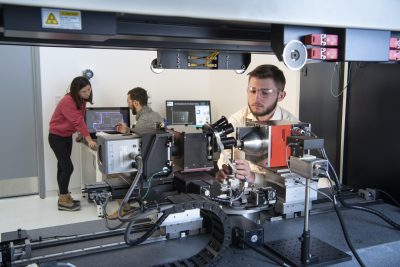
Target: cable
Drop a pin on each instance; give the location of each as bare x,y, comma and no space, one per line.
316,190
387,194
122,218
357,66
298,181
345,233
330,84
332,188
337,196
137,241
342,224
127,197
337,182
372,211
164,170
365,209
107,221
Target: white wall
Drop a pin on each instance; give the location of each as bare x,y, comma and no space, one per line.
228,89
117,71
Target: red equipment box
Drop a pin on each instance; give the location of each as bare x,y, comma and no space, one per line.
394,55
394,43
321,39
322,53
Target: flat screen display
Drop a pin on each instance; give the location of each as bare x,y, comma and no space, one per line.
103,119
188,112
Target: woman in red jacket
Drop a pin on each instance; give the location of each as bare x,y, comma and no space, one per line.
67,119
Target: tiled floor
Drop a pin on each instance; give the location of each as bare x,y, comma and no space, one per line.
32,212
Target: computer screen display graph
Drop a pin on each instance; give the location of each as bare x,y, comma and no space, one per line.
188,112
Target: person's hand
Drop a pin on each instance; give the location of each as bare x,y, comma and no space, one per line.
121,127
223,173
92,144
243,171
79,138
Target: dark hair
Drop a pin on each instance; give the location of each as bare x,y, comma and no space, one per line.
269,71
139,94
76,85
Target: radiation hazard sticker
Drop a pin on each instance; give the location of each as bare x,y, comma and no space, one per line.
61,19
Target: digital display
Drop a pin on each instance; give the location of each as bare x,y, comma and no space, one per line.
188,112
105,119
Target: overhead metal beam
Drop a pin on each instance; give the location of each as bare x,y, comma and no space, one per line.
361,14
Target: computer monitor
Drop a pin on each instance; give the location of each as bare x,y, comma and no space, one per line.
104,119
188,112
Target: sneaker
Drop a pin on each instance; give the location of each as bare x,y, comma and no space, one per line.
65,203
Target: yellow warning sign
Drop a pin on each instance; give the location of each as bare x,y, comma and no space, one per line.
61,19
51,19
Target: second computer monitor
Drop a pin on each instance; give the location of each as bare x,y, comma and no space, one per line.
188,112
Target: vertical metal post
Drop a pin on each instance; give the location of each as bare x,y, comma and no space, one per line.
305,238
345,82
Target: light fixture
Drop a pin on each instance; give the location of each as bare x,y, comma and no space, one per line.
88,74
157,69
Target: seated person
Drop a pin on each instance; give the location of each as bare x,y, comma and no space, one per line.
265,89
146,118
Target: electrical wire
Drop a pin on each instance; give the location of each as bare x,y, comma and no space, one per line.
357,66
298,181
337,182
228,200
330,84
342,224
387,194
346,234
107,221
128,195
164,170
332,188
365,209
137,241
316,190
372,211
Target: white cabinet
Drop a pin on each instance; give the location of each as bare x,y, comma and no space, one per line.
90,172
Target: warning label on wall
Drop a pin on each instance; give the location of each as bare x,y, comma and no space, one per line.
61,19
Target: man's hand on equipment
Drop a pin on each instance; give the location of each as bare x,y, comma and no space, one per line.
243,171
121,127
223,173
